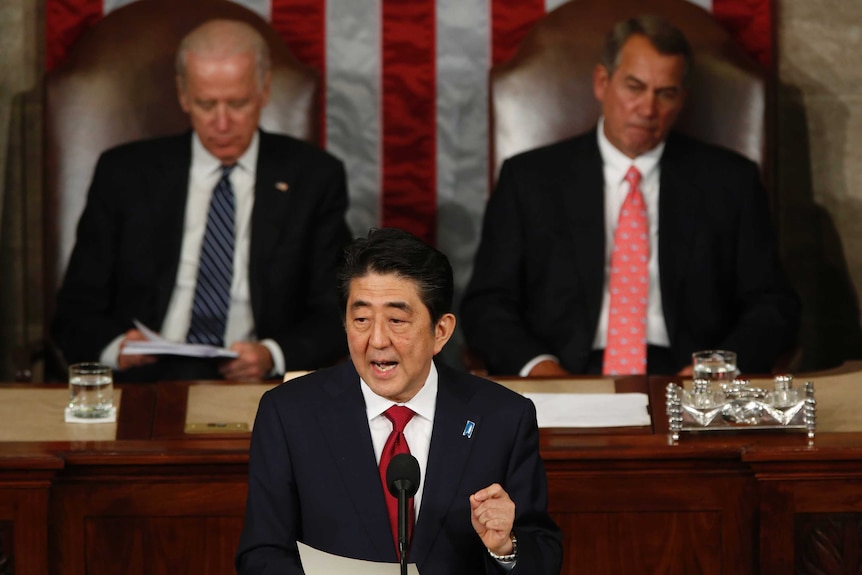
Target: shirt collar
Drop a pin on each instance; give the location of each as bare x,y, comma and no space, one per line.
205,163
612,157
423,403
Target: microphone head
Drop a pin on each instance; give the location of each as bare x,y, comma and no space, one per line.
403,474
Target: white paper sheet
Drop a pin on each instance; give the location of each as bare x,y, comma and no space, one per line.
316,562
157,345
591,409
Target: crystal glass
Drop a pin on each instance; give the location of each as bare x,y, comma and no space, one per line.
715,365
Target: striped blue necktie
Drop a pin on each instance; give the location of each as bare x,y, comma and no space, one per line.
212,290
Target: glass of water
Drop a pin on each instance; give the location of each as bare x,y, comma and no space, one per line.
715,365
91,390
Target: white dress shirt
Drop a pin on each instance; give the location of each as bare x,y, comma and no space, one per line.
615,165
417,432
204,174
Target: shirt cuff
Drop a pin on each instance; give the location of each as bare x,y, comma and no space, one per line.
277,357
111,354
525,371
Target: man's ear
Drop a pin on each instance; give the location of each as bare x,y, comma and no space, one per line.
601,78
443,331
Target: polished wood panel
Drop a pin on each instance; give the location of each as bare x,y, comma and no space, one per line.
25,482
150,507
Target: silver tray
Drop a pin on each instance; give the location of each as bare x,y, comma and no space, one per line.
737,406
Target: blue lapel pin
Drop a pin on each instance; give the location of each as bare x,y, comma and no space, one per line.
468,429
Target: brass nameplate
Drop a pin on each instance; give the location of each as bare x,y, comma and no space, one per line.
217,427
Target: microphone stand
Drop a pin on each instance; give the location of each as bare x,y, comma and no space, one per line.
403,506
402,479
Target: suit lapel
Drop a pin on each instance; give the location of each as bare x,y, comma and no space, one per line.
678,225
447,459
583,189
168,200
272,200
355,456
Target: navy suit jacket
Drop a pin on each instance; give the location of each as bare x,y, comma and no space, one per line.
127,251
538,277
313,478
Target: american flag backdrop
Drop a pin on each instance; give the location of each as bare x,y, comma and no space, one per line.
406,103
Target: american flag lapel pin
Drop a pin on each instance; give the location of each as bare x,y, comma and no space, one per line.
468,429
281,186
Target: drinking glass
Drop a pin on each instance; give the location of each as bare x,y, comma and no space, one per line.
91,390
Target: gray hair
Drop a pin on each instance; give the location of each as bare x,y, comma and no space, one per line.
665,38
223,38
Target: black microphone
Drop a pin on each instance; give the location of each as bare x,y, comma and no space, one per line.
402,478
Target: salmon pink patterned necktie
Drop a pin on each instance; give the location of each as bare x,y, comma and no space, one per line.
625,351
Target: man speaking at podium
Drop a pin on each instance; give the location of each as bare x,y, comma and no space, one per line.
321,442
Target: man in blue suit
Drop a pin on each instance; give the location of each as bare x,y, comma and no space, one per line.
318,440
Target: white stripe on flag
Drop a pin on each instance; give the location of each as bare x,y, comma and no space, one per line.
463,32
353,108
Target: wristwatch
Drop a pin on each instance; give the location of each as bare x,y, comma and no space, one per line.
511,556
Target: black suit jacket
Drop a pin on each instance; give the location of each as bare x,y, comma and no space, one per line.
313,478
125,260
539,272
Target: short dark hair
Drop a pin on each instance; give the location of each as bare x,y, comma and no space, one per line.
399,253
666,38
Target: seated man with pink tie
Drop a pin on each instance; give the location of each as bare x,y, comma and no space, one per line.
322,444
626,249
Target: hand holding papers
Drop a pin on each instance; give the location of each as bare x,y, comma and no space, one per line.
157,345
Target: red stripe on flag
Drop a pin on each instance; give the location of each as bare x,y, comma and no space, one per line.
302,25
65,20
510,21
750,22
409,148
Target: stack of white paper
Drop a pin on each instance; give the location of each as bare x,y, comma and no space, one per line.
157,345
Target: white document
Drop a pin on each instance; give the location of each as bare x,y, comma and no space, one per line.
591,409
316,562
157,345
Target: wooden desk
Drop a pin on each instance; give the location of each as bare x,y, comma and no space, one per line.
158,500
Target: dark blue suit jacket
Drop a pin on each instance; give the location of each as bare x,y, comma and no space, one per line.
125,260
539,271
313,478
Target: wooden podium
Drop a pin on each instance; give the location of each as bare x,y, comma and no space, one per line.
163,490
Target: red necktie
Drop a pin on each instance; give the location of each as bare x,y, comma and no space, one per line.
396,444
625,351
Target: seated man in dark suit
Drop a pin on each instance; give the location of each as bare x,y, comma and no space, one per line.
321,442
626,249
225,235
